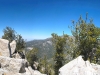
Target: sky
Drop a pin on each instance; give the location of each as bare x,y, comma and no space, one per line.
38,19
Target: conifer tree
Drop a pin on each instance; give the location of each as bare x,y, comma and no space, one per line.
10,34
32,56
59,45
20,43
86,36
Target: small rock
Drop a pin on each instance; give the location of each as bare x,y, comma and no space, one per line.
22,69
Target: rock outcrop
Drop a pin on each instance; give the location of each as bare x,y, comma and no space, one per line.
4,51
80,67
4,47
16,55
13,66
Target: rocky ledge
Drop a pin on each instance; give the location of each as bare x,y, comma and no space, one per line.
15,65
80,67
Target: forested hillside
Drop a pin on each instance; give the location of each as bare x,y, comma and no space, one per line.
45,47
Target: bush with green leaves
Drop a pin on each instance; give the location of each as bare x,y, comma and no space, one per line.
59,45
32,56
86,38
10,34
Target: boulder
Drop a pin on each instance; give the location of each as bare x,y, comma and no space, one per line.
12,64
4,47
35,65
4,51
13,46
22,69
16,55
79,67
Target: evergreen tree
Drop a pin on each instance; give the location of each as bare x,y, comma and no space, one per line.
20,43
32,56
59,44
86,36
45,66
9,34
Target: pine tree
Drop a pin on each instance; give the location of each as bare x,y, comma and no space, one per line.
86,35
10,34
32,56
20,43
59,44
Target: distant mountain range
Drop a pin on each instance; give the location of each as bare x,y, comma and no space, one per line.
45,47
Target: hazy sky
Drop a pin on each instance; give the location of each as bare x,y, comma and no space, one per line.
37,19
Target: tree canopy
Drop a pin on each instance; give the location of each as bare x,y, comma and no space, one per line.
10,34
32,56
86,37
59,45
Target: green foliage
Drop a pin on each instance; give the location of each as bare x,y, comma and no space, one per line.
20,43
70,49
86,37
45,66
59,45
9,34
32,56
